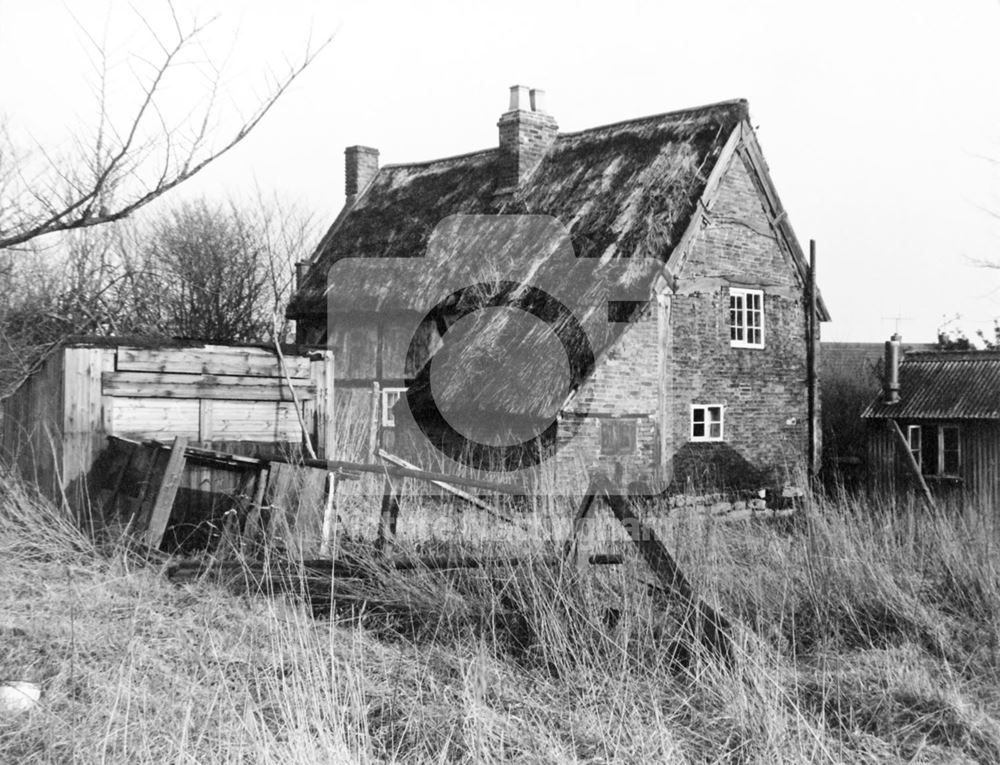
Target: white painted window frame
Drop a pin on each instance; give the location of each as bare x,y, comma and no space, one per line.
940,455
388,420
916,445
707,421
739,318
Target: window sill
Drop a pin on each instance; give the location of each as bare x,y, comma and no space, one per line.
746,345
945,480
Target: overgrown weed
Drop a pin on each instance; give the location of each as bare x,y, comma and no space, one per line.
867,635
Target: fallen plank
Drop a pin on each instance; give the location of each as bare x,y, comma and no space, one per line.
165,494
450,488
400,472
353,568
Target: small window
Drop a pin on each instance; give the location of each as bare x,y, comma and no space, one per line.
618,437
913,436
936,448
949,451
390,396
746,318
706,423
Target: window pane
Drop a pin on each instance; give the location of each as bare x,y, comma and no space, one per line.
929,452
698,422
952,450
715,430
736,318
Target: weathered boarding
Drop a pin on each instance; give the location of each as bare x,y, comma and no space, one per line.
240,399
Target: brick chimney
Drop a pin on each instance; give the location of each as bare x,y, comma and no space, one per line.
526,133
360,166
891,379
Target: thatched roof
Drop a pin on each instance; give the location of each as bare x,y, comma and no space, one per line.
625,193
627,189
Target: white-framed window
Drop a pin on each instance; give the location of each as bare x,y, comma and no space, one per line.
746,318
914,438
618,437
936,448
389,398
949,450
706,422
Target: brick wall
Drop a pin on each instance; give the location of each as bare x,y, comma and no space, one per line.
763,390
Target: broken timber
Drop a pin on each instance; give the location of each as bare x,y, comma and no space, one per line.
712,628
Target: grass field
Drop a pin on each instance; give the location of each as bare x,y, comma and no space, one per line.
867,636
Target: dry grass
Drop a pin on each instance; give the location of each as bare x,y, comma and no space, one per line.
874,639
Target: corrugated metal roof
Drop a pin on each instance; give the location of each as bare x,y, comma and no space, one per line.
946,385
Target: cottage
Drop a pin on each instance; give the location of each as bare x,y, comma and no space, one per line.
936,424
695,373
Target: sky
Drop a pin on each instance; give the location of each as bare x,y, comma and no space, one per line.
880,120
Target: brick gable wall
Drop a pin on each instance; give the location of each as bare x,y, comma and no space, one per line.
763,390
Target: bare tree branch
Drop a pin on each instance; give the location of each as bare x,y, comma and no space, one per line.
109,185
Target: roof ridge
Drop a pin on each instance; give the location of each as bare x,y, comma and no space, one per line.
425,162
573,133
978,355
674,113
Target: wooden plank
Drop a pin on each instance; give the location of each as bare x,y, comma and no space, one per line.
392,470
210,360
576,547
329,441
161,418
329,514
709,626
82,422
256,421
296,497
374,420
400,462
156,385
165,494
205,431
251,527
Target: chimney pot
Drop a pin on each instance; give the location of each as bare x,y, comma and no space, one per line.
537,100
520,99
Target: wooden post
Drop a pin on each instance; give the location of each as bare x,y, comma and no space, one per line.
252,526
164,502
375,422
573,547
710,627
329,431
329,513
811,375
387,520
